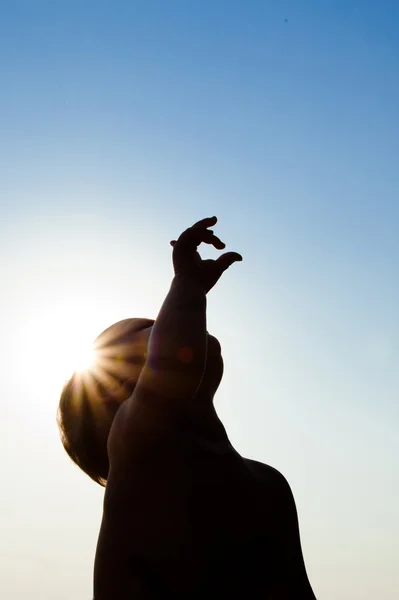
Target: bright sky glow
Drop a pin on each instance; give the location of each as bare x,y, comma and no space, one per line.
82,358
57,352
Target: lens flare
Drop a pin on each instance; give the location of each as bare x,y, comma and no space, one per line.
84,359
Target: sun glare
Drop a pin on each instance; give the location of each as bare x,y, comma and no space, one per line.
80,357
56,349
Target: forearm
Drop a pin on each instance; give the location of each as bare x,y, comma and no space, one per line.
178,343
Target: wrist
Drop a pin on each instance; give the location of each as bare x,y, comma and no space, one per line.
189,281
188,292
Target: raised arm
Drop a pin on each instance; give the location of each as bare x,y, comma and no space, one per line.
177,349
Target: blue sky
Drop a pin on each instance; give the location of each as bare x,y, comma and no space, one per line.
122,123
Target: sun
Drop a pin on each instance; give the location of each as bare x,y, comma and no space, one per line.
78,355
48,350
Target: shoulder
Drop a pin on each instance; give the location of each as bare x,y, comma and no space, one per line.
276,490
279,499
268,475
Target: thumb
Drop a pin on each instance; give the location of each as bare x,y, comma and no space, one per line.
227,259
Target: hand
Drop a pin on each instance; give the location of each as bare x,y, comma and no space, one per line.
186,259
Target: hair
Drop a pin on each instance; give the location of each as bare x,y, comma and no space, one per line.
87,407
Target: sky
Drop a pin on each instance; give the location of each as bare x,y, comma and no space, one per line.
122,123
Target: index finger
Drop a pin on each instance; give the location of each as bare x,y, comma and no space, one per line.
208,222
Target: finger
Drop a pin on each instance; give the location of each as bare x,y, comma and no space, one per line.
208,237
208,222
217,242
194,236
227,259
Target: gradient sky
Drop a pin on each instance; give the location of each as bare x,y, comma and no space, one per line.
121,123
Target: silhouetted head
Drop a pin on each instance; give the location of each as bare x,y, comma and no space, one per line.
90,399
